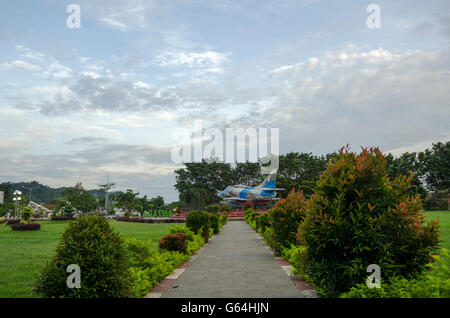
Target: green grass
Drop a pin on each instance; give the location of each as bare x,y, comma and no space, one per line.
23,254
444,222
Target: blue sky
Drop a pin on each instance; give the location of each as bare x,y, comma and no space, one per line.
78,103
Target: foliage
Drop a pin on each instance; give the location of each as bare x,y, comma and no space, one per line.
89,242
214,208
224,218
27,213
357,217
296,256
263,221
196,220
214,222
25,226
174,242
80,198
403,165
248,205
435,164
432,284
300,171
285,218
225,208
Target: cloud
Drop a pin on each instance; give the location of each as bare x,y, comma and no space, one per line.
19,64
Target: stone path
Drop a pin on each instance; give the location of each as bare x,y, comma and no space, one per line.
235,264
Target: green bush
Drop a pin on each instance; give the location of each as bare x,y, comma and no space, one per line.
148,267
433,284
214,208
285,218
27,213
262,222
177,242
225,208
224,218
214,222
182,229
90,243
357,217
248,205
198,222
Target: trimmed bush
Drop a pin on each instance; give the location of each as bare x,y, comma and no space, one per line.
148,267
224,218
12,221
27,213
358,217
286,217
214,208
25,226
214,222
225,208
196,220
62,218
89,242
176,242
262,222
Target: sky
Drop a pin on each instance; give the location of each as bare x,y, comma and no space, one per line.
108,97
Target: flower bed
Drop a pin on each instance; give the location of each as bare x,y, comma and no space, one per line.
12,221
150,220
62,218
25,226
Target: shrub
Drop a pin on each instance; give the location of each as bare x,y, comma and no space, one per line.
214,222
247,214
432,284
248,205
62,218
214,208
27,213
224,218
262,222
196,220
89,242
225,208
285,218
12,221
2,220
148,267
126,214
174,242
357,217
25,226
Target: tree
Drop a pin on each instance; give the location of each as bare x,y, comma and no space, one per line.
435,165
80,198
126,200
403,165
300,171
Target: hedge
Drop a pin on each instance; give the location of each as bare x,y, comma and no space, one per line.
25,226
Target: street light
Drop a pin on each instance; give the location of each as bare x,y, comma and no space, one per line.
16,199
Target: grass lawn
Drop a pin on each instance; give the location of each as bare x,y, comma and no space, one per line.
22,254
444,222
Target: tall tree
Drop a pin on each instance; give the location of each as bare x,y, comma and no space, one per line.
435,164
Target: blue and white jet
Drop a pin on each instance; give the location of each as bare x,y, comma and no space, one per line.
243,193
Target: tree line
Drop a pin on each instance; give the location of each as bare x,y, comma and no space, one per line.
199,182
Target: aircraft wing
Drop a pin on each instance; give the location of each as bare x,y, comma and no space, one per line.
235,198
273,189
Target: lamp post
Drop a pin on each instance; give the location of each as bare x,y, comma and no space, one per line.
16,199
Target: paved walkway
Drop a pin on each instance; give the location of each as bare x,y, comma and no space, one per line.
235,264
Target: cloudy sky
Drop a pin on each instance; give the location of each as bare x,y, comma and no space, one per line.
77,103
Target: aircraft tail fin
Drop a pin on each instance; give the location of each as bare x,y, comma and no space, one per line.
270,181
